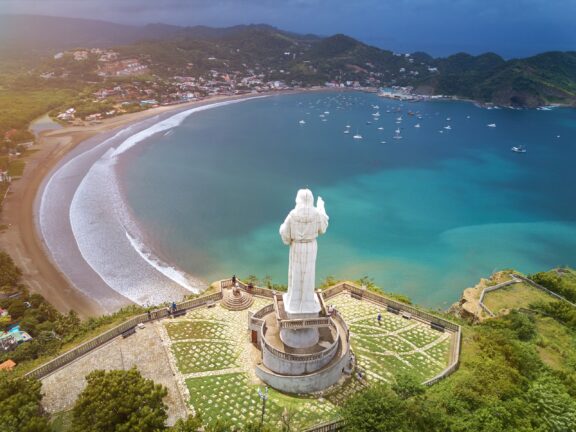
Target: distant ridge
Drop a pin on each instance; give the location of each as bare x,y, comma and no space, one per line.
546,78
45,32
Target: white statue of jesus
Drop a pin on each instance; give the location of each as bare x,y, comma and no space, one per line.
300,229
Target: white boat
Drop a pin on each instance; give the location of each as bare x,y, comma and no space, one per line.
302,122
376,114
417,125
348,126
519,149
382,142
397,134
492,125
357,136
380,128
346,131
448,127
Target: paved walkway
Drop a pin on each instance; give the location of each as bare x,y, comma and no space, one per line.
145,350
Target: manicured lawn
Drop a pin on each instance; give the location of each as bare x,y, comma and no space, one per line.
395,345
196,330
230,396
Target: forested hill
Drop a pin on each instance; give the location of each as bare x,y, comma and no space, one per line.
303,60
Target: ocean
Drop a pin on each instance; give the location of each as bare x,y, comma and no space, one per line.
426,215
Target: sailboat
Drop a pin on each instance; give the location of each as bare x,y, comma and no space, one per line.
397,134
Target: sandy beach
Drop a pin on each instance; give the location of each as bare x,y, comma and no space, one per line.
21,238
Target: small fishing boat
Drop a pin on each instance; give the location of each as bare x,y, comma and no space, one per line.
492,125
357,136
519,149
302,122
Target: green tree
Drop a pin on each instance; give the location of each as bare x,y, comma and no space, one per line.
119,401
190,424
553,408
407,386
375,409
9,273
20,409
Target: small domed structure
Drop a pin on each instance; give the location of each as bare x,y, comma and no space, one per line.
236,299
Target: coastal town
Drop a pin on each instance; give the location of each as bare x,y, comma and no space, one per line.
130,84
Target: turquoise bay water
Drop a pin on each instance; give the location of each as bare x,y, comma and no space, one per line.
425,216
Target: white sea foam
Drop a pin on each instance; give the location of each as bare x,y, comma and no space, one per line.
100,221
103,229
170,272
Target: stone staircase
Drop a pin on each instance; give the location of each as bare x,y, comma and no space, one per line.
236,300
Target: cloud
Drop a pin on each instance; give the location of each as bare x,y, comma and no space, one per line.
439,26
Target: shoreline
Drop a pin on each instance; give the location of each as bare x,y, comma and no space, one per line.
22,238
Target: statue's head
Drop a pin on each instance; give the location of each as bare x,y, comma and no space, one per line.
304,198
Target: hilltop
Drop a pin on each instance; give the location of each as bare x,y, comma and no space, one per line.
302,60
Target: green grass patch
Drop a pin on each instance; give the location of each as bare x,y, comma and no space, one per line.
515,296
201,356
382,355
555,344
62,421
231,397
196,330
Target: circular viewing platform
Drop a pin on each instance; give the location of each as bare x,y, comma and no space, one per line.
291,367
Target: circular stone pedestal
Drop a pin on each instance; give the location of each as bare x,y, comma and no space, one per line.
300,338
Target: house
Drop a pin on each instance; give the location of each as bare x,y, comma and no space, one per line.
8,365
12,338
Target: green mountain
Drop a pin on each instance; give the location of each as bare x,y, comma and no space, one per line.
273,54
538,80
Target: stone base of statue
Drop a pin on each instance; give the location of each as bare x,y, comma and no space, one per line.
301,353
300,338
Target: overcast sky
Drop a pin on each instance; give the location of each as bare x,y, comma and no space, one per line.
440,27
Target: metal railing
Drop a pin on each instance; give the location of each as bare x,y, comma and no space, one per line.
301,323
454,361
332,426
299,357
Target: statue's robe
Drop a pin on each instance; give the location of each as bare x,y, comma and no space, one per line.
299,230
